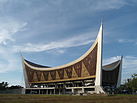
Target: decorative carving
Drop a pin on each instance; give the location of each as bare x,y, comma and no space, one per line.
83,68
42,77
78,68
38,75
74,74
53,74
46,75
35,77
69,71
61,73
90,61
84,73
30,73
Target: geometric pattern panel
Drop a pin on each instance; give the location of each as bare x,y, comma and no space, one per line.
49,77
65,75
53,74
29,73
74,74
39,75
35,77
57,76
42,77
46,75
61,73
83,68
90,62
69,71
84,71
78,68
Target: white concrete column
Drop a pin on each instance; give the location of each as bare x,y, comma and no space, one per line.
50,91
72,90
83,90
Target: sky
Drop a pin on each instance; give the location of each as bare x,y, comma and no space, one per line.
55,32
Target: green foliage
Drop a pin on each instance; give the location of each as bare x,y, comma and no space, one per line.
3,85
130,86
15,87
132,83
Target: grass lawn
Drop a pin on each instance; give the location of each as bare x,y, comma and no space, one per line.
6,98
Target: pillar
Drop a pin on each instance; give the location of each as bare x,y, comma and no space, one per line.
46,91
59,91
39,91
72,90
54,91
83,91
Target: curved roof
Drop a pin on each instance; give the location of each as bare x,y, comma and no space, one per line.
111,74
35,65
111,66
45,68
86,67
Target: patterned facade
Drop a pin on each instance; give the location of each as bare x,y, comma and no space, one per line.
85,68
84,75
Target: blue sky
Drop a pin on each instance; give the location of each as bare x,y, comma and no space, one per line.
55,32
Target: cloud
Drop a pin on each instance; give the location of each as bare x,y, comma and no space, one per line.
53,16
129,66
133,41
109,4
8,60
8,28
65,43
127,41
56,51
92,5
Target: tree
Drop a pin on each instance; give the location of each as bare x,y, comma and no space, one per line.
3,85
15,87
132,83
130,86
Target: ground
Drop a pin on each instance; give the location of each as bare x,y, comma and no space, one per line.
67,99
